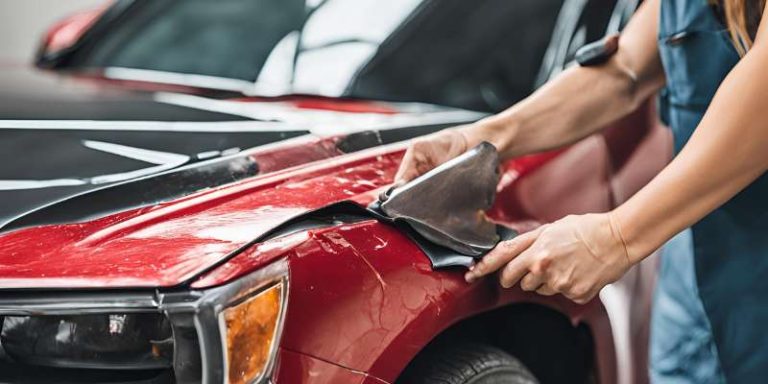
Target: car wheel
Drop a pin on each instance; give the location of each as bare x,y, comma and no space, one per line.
466,364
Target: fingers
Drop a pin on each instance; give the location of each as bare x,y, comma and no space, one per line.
545,290
426,153
408,170
531,282
557,259
581,295
516,269
502,254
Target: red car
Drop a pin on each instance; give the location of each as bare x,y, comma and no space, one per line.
224,267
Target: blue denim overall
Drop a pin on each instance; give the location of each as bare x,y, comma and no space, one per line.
724,258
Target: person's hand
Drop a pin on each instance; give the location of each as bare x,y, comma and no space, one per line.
426,153
575,256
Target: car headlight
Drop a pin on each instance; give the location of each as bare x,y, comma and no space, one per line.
248,331
110,341
237,326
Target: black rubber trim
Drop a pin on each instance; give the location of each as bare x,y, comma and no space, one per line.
349,212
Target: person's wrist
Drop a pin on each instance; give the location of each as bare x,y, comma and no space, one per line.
618,236
637,244
495,130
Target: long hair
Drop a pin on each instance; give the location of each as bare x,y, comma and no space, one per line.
742,18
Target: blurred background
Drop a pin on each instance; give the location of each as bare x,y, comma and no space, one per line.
23,23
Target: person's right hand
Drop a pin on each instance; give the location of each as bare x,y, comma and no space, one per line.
426,153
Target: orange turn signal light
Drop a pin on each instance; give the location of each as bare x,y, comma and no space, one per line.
250,331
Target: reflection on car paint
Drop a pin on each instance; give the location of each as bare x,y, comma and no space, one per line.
326,120
163,160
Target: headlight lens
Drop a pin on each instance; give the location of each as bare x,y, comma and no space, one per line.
110,341
249,330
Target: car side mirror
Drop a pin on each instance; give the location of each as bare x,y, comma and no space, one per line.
62,37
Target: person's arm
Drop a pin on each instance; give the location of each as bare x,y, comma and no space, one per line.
582,100
578,255
578,102
728,150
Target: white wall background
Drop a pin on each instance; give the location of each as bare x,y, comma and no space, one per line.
23,23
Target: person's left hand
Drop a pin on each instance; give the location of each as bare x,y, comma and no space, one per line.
575,256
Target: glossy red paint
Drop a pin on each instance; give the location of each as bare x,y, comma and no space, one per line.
250,259
65,33
300,151
375,302
170,243
544,189
352,106
299,368
326,104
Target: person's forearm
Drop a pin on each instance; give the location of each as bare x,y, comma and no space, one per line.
580,101
727,152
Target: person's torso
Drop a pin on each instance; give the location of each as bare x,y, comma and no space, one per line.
731,243
697,55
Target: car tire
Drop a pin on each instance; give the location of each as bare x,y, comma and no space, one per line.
466,364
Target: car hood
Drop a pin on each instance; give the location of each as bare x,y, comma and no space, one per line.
169,243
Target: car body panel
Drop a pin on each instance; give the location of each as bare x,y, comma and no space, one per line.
167,244
299,368
398,300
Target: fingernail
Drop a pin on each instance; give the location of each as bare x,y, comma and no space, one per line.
469,277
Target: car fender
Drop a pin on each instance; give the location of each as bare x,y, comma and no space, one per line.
364,296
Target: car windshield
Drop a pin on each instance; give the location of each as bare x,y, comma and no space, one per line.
481,55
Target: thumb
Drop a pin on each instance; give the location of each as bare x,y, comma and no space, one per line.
405,176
